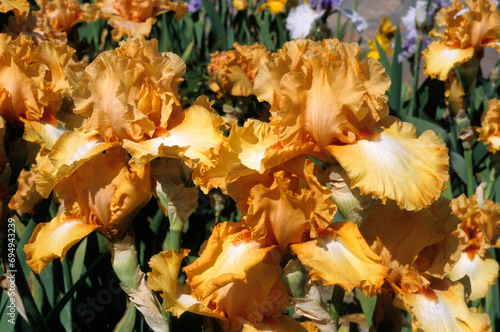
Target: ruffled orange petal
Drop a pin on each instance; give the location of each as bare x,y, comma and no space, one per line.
163,278
55,57
279,214
440,59
130,28
396,165
111,199
52,240
321,92
489,131
340,256
128,92
400,236
26,198
444,309
69,152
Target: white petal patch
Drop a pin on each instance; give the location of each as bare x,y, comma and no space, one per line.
442,317
82,151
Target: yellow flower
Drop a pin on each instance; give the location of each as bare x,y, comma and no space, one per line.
240,4
468,29
489,131
420,250
234,71
130,95
327,104
135,18
274,6
235,279
384,38
340,256
478,231
32,86
107,203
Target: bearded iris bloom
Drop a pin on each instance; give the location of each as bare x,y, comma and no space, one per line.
346,121
106,203
135,18
420,250
478,231
467,30
234,71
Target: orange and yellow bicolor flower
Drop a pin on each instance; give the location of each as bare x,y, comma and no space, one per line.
235,279
106,203
33,84
233,72
489,131
468,28
327,104
478,231
420,250
135,18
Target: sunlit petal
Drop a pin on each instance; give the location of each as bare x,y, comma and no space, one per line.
52,240
340,256
396,165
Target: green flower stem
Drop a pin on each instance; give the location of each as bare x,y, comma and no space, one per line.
414,89
469,172
336,303
337,28
491,182
175,240
351,31
166,314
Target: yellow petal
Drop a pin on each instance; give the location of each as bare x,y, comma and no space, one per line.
396,165
440,59
52,240
70,152
483,272
236,276
44,133
193,134
340,256
163,278
444,310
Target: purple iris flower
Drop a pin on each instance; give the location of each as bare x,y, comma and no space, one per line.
325,4
194,6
